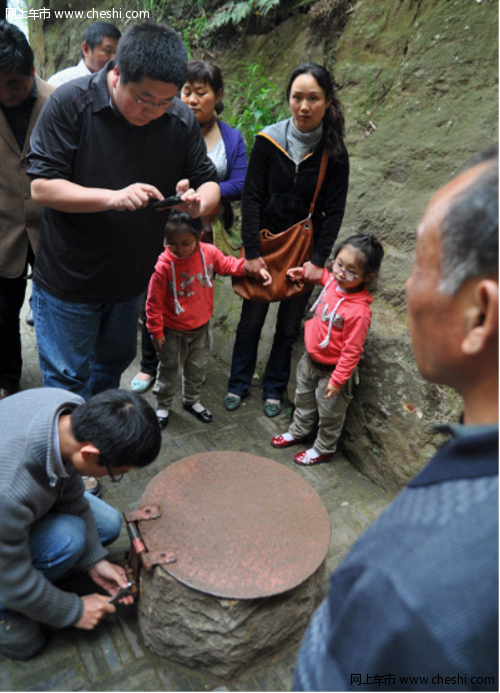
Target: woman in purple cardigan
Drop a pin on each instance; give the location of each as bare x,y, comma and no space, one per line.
202,93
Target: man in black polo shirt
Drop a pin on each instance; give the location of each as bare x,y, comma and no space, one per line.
104,147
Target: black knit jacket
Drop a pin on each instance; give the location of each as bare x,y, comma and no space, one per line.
278,193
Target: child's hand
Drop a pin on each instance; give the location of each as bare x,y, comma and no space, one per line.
159,344
296,274
265,276
331,391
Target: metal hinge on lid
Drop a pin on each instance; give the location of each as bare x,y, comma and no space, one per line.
138,552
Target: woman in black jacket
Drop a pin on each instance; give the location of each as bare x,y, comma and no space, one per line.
279,187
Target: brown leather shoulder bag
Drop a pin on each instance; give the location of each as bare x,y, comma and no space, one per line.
282,251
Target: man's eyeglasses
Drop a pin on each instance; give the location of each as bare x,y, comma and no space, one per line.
347,274
148,104
114,479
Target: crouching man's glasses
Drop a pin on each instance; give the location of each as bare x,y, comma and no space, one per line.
114,479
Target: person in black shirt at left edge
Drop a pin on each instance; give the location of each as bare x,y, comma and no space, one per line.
106,146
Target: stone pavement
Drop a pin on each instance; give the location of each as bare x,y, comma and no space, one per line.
113,657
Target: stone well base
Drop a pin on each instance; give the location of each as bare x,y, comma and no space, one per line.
221,636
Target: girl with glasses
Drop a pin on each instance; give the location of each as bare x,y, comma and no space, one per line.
334,340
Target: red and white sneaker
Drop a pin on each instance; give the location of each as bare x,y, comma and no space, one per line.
304,459
282,442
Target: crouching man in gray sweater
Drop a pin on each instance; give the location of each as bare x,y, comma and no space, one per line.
49,439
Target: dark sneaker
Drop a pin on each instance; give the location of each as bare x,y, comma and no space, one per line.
20,636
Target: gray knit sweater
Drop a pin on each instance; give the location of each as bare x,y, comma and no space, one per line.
32,485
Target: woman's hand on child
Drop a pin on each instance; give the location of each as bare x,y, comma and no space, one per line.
312,274
252,267
332,391
265,276
159,344
296,274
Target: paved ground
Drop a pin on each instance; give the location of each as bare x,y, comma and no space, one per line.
113,657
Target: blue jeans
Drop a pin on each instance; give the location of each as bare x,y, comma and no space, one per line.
57,541
84,347
277,373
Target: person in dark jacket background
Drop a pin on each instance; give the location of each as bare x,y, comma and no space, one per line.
279,187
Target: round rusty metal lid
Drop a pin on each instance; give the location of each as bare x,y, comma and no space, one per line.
240,526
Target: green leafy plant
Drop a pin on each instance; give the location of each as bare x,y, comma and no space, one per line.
195,29
236,12
365,104
232,13
189,20
287,407
157,8
198,21
257,104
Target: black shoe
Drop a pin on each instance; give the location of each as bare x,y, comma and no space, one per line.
20,636
205,416
162,422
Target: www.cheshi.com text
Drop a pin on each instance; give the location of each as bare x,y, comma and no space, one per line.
46,13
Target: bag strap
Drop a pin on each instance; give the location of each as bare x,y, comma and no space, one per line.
321,178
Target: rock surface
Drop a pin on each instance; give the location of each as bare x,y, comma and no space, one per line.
221,636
